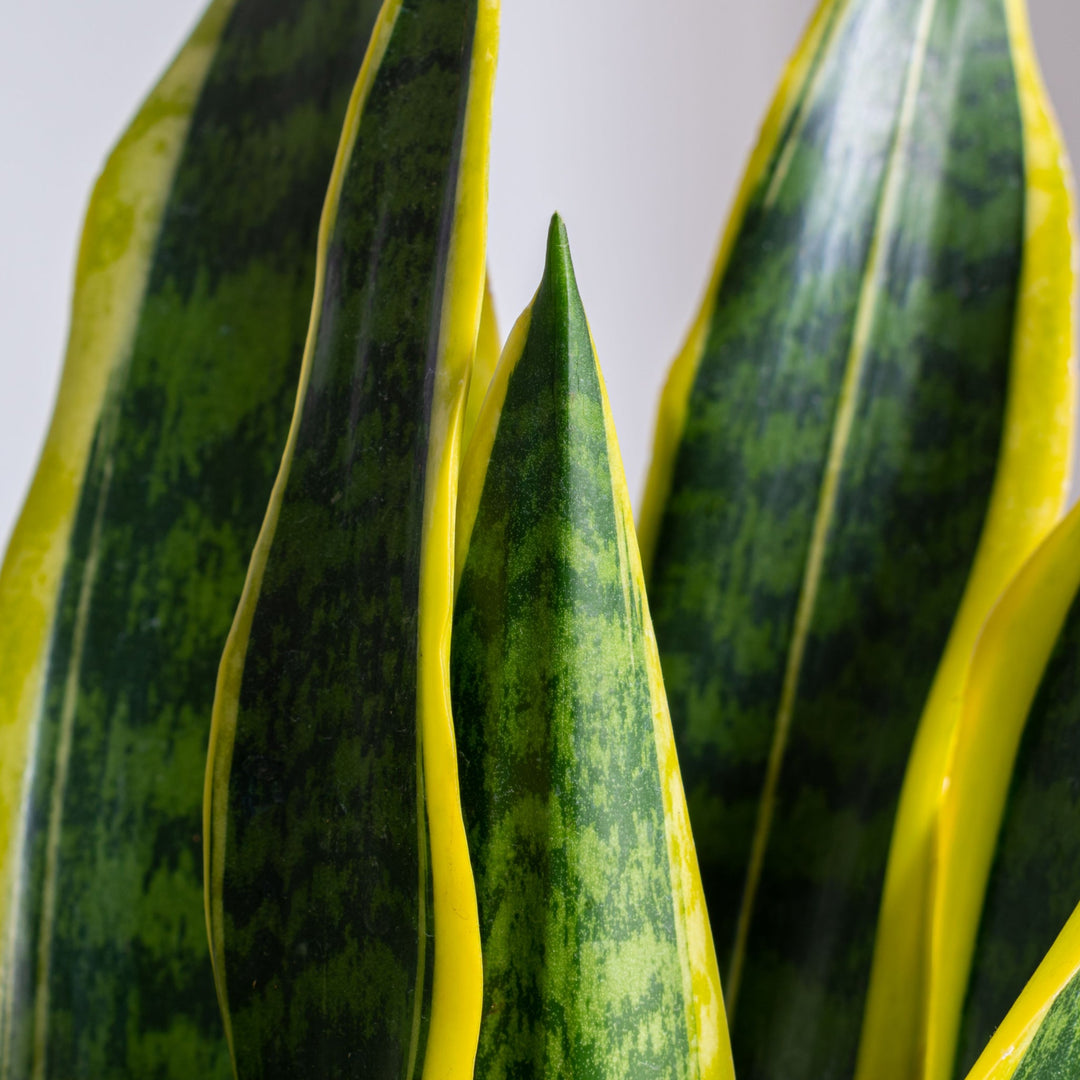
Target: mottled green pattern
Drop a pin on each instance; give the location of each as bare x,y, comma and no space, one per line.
1034,885
914,481
560,783
322,931
179,480
1054,1053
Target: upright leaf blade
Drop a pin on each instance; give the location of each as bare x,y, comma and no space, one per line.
104,316
191,302
1012,824
598,959
340,901
933,889
674,400
838,413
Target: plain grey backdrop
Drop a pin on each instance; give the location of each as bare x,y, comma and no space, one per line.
631,118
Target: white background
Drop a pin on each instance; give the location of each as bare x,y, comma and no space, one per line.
632,119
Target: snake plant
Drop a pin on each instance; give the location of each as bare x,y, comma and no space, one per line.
344,729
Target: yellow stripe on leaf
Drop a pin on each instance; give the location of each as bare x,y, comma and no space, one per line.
706,1020
485,361
457,994
231,669
1004,675
1006,1051
671,414
1029,495
122,224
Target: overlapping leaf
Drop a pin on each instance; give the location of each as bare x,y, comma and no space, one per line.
1040,1036
194,283
340,899
1009,804
865,436
937,871
1033,879
597,955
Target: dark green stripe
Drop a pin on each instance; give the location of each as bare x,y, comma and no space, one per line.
201,417
321,868
560,783
735,534
1034,885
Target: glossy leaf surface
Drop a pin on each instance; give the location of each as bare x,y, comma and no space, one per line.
597,955
951,800
826,460
1034,883
340,899
192,297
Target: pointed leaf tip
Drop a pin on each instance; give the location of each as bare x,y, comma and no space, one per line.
558,266
577,822
558,242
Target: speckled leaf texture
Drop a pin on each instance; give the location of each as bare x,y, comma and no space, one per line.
1040,1037
1034,885
827,495
597,956
106,966
1054,1053
330,794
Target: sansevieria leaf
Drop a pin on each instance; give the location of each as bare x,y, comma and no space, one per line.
192,295
1017,819
485,360
937,868
340,899
598,960
1039,1039
866,434
1049,1046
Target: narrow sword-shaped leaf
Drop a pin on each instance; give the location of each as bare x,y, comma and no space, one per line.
1029,837
933,887
825,461
192,292
671,420
598,959
340,902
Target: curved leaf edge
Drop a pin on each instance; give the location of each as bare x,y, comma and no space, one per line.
671,411
706,1019
128,201
1029,496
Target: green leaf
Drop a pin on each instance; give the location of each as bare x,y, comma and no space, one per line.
192,294
340,899
598,959
866,435
1008,804
1055,1046
1039,1038
1029,839
937,871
